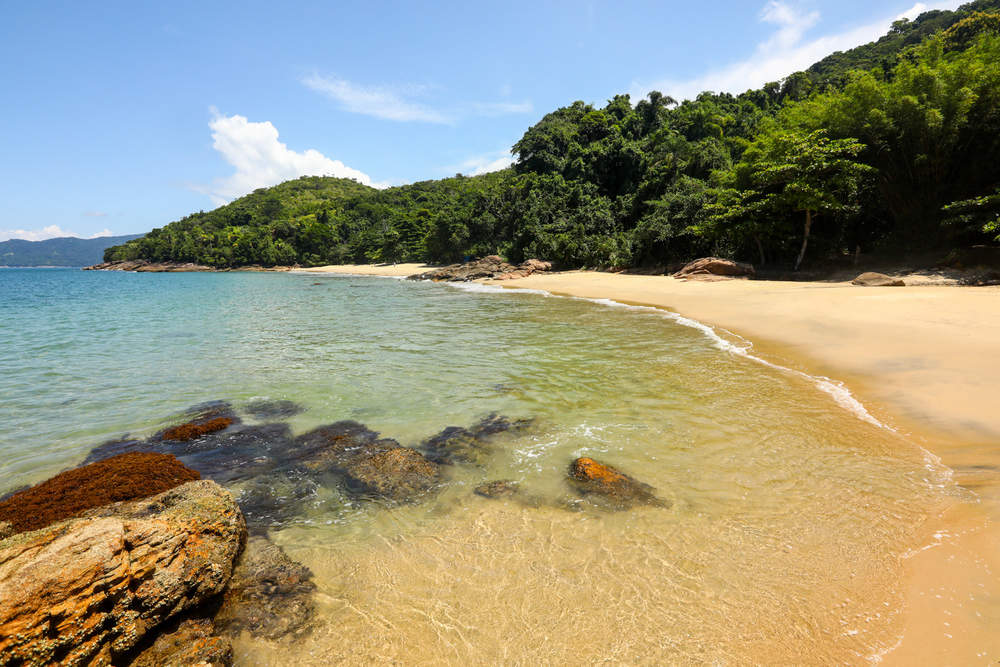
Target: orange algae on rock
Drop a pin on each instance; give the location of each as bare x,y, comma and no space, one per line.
192,430
610,487
124,477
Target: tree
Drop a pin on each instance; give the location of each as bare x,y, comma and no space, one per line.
785,172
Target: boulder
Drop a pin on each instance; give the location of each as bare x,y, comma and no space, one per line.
500,488
872,279
714,266
269,595
120,478
401,474
491,266
88,590
609,487
474,445
190,642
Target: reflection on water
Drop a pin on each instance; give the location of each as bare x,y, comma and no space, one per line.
788,515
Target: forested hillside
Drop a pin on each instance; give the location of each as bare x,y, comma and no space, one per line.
891,147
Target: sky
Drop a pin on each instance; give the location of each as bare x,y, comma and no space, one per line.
119,117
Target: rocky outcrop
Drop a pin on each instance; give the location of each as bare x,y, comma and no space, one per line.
192,641
191,430
88,590
609,487
269,595
400,474
714,268
145,266
872,279
473,445
120,478
491,266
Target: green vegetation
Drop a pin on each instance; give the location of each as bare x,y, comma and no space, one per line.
892,146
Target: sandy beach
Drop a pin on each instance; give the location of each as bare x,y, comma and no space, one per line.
923,359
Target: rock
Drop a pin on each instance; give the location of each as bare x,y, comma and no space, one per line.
120,478
145,266
335,443
190,642
714,266
491,266
191,430
6,529
400,474
872,279
275,499
609,487
269,595
501,488
237,453
473,445
87,590
273,409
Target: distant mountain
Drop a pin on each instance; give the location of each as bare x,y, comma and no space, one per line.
66,251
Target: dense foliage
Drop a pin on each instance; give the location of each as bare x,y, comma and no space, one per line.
891,146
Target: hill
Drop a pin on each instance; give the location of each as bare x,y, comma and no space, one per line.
892,147
65,251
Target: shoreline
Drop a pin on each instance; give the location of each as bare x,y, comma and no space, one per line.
921,358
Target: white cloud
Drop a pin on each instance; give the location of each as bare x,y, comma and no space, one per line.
261,160
397,103
483,164
49,232
784,52
378,101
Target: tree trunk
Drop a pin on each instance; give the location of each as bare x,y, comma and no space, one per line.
805,239
760,249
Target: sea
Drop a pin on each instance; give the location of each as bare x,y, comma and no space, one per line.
788,507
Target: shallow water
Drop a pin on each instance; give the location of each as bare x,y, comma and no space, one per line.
790,511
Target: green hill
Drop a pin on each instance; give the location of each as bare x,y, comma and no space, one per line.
66,251
892,146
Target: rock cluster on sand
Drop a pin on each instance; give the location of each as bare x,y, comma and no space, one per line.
714,268
145,266
89,589
872,279
491,266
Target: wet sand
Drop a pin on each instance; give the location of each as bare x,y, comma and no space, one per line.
924,359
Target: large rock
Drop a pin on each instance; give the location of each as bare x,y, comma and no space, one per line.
269,595
190,642
491,266
400,474
120,478
87,590
714,267
872,279
609,487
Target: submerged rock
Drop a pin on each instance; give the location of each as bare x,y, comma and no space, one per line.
401,474
120,478
470,445
89,589
275,499
501,488
872,279
191,430
269,595
715,267
609,487
192,641
273,409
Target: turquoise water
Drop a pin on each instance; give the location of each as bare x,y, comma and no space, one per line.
788,510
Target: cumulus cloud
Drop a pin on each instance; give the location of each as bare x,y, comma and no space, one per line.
49,232
261,160
402,103
787,50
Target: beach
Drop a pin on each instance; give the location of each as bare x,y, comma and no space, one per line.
922,359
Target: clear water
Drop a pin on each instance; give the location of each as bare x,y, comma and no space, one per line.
790,513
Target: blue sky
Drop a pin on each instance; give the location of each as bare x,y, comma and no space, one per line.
121,117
